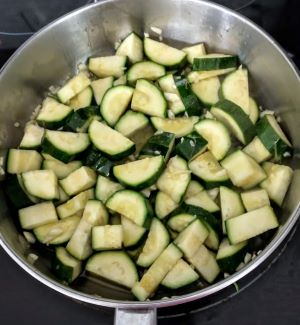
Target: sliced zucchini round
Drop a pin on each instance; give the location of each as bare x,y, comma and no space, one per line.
145,70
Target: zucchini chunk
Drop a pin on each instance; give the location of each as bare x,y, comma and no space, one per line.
132,47
207,90
131,122
255,199
257,150
80,120
98,162
21,161
60,169
211,62
164,205
145,70
83,99
106,188
107,66
194,51
32,138
100,86
108,237
133,234
191,146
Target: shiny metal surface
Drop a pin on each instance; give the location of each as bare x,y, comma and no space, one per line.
53,54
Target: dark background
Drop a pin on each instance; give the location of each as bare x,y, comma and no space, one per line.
273,299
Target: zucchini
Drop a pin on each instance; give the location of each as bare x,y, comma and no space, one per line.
235,119
109,141
255,199
164,205
100,86
83,99
243,170
131,205
216,135
37,215
211,62
57,232
79,180
175,179
121,81
148,99
60,169
133,234
64,266
230,256
107,66
204,201
192,105
181,275
206,167
191,146
194,51
253,110
178,222
272,136
80,245
115,266
257,150
32,138
205,263
193,188
73,87
251,224
63,196
145,70
98,162
141,173
207,90
105,188
64,146
108,237
196,76
163,54
21,161
41,184
157,272
159,144
157,240
115,102
75,205
168,86
132,47
231,205
277,182
131,122
235,89
180,126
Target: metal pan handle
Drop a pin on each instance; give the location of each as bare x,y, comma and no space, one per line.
135,316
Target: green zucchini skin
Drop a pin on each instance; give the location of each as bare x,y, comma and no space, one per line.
217,63
80,118
188,151
159,144
101,164
192,104
47,147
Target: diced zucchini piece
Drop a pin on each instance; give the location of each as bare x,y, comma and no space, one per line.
79,180
131,122
235,119
139,174
196,76
57,232
178,222
21,161
97,161
130,204
204,201
105,188
194,51
64,146
164,205
214,61
83,99
94,214
75,205
132,233
181,275
163,54
157,240
148,99
157,272
217,136
145,70
115,266
243,170
255,199
175,179
231,205
230,256
108,66
65,266
193,188
257,150
207,90
80,120
132,47
32,138
41,184
37,215
61,169
114,103
73,87
107,237
63,196
251,224
253,110
109,141
121,81
180,126
277,182
235,88
100,86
